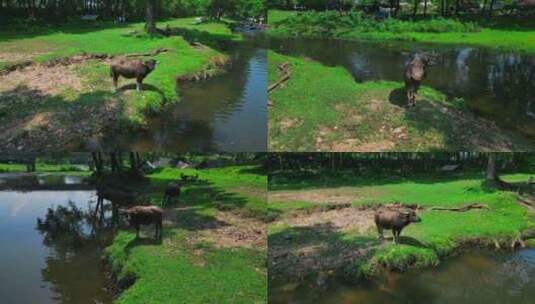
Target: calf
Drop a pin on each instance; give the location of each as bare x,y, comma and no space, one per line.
146,215
131,69
414,75
395,220
173,190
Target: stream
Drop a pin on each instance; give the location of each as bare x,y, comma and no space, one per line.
472,278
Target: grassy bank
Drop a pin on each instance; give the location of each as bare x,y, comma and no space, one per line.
213,248
335,113
80,96
335,228
500,34
46,168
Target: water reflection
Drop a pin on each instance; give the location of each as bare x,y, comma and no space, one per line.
56,260
227,112
496,85
480,277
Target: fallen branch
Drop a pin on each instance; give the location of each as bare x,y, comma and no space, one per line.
153,53
462,209
528,202
286,74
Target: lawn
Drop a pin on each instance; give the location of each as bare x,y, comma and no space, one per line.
438,235
80,96
339,114
192,265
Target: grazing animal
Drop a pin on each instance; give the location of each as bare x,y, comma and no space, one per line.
395,220
173,190
414,75
137,69
146,215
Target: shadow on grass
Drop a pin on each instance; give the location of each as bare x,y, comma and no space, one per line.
37,121
398,97
299,251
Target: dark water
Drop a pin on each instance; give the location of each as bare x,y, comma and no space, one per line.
44,265
225,113
496,85
481,277
36,181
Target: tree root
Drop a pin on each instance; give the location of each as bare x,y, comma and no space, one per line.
77,59
462,209
284,68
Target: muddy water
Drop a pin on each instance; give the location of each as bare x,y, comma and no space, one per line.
43,266
496,85
480,277
225,113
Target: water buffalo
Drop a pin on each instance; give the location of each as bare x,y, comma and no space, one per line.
395,220
173,190
146,215
137,69
414,75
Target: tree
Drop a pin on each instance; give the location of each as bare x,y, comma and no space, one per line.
492,175
150,23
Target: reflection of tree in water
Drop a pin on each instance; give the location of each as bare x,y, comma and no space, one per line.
76,240
190,124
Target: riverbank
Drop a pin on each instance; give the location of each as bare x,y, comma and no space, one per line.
51,102
339,114
503,34
214,243
330,231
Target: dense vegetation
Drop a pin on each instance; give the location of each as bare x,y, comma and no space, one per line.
130,9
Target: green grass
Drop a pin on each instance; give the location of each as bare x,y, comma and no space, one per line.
506,35
339,114
44,167
45,43
440,233
184,270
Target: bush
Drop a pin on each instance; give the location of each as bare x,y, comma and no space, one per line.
330,23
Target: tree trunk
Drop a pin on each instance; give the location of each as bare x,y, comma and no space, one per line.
150,23
425,8
415,9
492,175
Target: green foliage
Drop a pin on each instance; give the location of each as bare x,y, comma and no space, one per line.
332,23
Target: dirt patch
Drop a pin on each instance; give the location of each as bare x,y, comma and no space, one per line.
47,80
225,230
318,196
239,232
346,219
288,123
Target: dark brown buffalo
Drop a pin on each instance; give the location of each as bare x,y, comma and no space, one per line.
415,71
137,69
146,215
395,220
173,190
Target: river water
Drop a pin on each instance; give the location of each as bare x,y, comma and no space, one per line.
497,85
224,113
473,278
44,263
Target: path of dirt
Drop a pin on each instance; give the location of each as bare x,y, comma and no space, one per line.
225,230
343,195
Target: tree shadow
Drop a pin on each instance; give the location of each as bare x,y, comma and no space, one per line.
296,252
36,121
144,87
398,97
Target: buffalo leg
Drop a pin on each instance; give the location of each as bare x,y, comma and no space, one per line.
139,84
395,233
115,80
380,231
137,231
